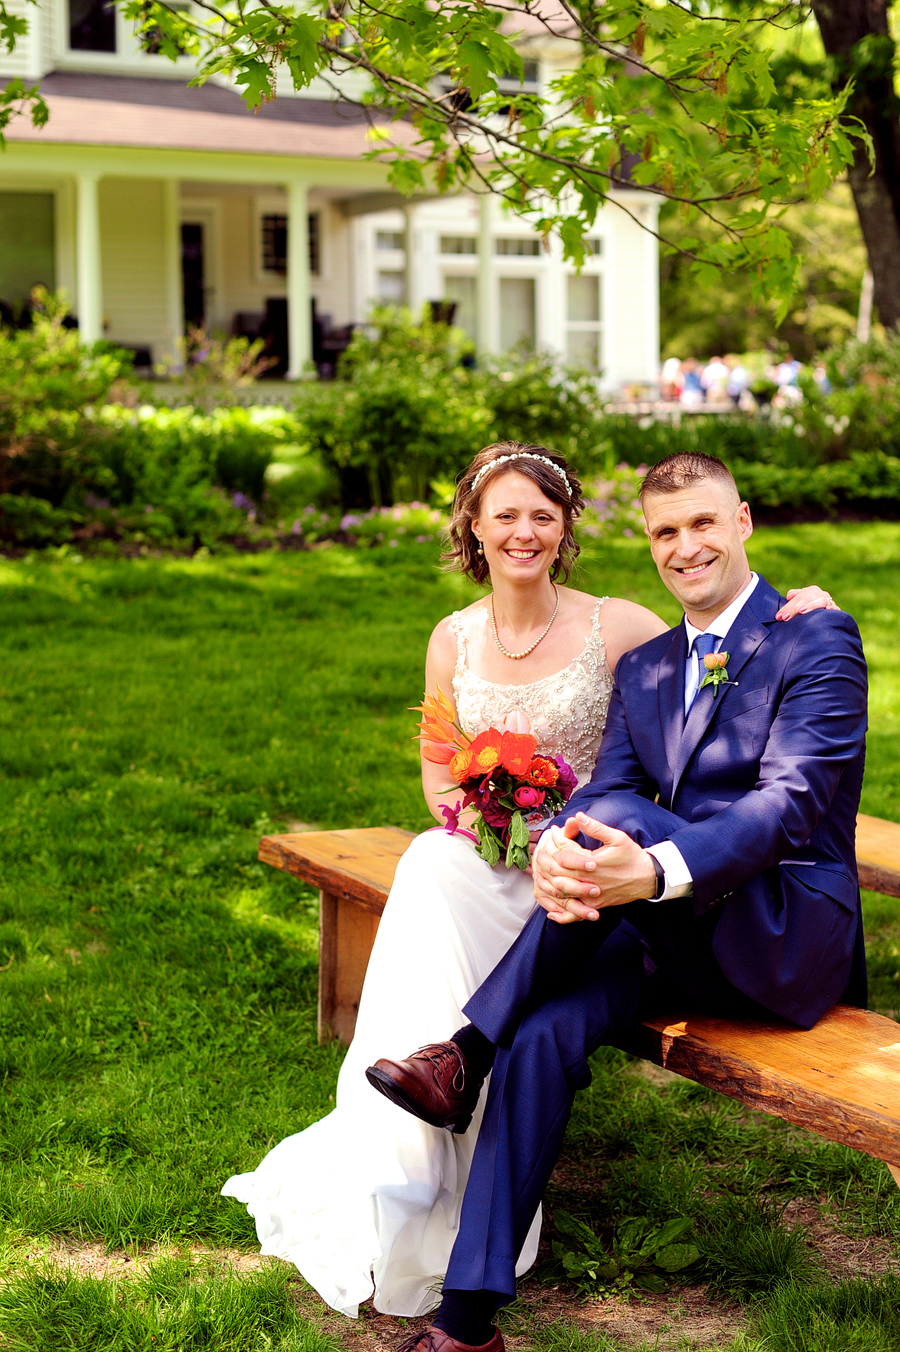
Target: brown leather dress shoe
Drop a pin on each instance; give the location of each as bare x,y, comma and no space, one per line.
436,1340
433,1084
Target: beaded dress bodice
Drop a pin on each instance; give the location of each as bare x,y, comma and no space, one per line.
567,709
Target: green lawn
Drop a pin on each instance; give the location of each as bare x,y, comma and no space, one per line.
158,985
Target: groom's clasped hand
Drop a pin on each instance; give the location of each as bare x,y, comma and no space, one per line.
573,883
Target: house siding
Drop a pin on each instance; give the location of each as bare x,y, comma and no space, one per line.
132,219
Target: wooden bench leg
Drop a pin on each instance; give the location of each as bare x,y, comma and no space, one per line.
895,1171
346,935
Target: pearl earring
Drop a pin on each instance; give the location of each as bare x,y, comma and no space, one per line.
480,549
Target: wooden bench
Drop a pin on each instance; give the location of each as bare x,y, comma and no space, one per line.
840,1079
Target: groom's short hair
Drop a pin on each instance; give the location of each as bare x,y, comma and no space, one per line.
684,469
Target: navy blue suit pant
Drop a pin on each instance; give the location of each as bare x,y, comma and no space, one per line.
561,992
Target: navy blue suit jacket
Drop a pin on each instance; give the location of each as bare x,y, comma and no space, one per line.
766,776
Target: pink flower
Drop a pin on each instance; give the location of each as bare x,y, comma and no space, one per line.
518,722
527,796
451,817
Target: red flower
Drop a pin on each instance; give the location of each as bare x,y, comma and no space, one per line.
526,796
516,751
543,772
496,815
485,751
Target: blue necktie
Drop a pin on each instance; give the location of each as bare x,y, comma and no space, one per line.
704,644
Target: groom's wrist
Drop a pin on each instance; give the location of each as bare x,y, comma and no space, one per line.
677,875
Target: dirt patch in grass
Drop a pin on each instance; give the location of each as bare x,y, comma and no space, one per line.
843,1256
686,1320
94,1259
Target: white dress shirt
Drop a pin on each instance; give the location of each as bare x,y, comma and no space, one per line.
679,882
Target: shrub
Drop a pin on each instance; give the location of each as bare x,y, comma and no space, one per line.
210,369
146,449
533,399
612,505
409,409
48,379
403,410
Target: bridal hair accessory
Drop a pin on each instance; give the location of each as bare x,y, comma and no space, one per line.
522,455
517,656
716,672
510,786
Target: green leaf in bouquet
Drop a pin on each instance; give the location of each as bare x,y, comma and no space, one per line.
676,1256
488,845
516,857
518,831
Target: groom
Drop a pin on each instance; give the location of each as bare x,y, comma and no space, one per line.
725,880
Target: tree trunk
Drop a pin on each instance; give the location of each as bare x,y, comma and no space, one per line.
855,35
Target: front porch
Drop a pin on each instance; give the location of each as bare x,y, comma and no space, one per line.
157,206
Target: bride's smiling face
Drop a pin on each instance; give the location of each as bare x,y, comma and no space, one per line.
519,528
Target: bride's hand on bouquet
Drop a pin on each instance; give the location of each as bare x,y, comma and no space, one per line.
802,599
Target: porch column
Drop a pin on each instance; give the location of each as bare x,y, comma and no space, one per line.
298,297
485,320
88,275
172,264
409,266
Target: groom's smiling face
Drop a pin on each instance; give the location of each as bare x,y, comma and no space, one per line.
697,537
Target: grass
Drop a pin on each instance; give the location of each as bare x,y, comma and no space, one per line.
157,997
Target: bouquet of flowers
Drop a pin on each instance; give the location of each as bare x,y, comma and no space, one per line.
502,777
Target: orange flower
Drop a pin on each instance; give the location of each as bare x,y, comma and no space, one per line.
438,727
485,751
439,753
460,765
516,751
436,730
714,660
543,772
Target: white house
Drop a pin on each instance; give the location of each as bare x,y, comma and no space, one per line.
155,204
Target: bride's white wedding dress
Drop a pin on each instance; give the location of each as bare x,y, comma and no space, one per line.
369,1197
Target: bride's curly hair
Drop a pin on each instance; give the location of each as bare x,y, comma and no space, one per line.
462,555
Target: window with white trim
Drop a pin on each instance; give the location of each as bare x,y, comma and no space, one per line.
518,312
462,289
458,244
518,248
274,226
584,325
92,26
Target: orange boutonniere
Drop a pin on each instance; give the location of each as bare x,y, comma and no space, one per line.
716,671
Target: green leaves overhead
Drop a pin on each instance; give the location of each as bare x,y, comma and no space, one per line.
679,100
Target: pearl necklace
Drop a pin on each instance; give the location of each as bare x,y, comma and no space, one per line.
517,656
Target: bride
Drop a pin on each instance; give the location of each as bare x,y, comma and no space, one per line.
367,1200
